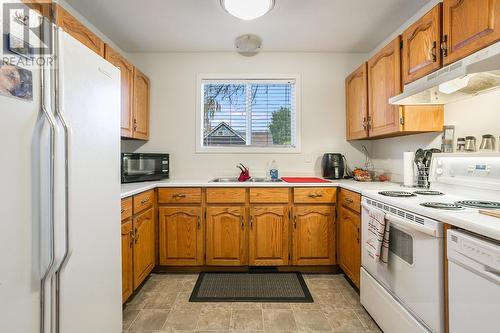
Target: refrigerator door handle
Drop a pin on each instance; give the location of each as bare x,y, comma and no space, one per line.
60,116
47,274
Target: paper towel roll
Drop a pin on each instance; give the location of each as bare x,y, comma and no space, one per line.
408,168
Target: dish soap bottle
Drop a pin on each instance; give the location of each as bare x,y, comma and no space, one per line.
273,171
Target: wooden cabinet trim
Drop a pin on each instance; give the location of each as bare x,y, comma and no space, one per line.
226,236
269,195
269,242
140,121
179,195
428,27
127,79
185,222
226,195
143,201
79,31
315,195
126,208
383,118
477,25
357,104
306,225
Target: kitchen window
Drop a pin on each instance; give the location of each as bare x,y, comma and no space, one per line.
248,115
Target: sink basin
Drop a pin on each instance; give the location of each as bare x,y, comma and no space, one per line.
264,180
251,180
224,180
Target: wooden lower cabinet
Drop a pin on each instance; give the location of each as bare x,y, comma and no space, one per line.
269,235
127,260
349,224
226,236
314,235
144,245
181,236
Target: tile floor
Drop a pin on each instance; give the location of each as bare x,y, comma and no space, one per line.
162,305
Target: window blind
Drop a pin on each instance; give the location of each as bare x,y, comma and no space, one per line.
249,113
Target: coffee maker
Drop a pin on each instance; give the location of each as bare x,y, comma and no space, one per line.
333,166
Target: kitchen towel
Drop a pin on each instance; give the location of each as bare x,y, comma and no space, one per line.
377,243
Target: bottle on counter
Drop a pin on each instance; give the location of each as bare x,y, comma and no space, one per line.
273,171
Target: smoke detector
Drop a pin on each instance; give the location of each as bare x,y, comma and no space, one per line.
248,45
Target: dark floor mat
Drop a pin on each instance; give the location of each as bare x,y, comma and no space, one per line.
251,287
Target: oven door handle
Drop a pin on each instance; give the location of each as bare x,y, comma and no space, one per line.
418,227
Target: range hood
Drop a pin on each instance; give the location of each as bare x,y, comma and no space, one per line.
475,74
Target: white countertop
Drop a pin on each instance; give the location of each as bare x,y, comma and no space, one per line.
359,187
470,219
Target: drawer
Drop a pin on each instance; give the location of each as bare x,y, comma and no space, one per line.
143,200
126,208
179,195
351,200
315,195
269,195
226,195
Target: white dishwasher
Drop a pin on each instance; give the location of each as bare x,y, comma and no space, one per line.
474,283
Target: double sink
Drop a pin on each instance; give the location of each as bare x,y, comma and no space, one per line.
251,180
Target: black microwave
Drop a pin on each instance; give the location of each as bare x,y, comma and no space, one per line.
139,167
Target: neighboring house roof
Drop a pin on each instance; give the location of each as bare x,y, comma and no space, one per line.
223,134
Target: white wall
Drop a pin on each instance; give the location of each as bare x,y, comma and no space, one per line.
173,106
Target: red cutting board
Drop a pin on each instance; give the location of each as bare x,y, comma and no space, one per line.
304,180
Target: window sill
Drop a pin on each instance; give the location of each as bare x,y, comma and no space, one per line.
246,150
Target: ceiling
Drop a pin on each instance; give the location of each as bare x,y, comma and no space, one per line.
202,25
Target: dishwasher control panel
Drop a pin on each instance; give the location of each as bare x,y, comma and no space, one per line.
482,250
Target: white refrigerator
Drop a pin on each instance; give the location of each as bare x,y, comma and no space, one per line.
60,257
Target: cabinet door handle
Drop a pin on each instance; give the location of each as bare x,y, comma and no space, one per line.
131,235
179,196
433,51
251,222
315,195
348,200
136,236
444,46
123,210
295,222
144,201
357,235
242,219
199,222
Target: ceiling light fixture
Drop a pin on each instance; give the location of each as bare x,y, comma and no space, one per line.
247,9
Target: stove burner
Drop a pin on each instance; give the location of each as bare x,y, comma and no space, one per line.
397,194
442,205
428,192
479,204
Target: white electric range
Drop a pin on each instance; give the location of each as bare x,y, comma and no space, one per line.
406,295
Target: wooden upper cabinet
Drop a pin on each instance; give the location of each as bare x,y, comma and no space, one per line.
269,236
127,78
226,236
384,81
181,236
468,26
144,245
314,235
356,87
80,32
140,121
421,46
127,260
